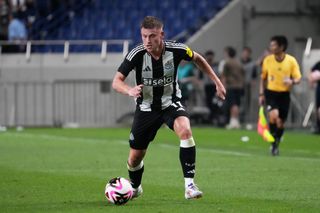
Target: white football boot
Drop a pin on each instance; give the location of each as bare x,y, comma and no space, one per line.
137,192
192,192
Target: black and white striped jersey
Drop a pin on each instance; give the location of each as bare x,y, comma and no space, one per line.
159,77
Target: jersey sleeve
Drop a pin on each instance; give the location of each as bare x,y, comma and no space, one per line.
264,70
126,67
185,52
296,74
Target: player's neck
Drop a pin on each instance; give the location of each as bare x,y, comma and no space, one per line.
156,54
280,56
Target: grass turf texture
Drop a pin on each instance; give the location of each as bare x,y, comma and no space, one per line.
65,170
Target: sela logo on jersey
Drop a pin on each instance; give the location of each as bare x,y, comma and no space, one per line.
157,82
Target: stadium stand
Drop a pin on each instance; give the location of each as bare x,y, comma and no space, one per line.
118,19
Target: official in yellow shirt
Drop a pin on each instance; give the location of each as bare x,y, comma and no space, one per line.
280,71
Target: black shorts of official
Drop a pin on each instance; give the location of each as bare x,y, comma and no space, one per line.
234,97
146,124
318,95
278,100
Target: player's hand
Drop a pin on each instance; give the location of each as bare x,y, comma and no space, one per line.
261,100
288,81
135,91
221,91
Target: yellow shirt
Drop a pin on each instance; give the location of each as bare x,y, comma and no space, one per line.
276,72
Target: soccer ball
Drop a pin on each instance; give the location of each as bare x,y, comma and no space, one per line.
118,191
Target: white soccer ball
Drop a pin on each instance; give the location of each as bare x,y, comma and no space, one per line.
118,191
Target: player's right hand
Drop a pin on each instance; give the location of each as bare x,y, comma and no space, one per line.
135,91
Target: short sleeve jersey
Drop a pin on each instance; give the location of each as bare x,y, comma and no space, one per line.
276,72
159,77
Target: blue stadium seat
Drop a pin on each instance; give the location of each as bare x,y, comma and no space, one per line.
120,19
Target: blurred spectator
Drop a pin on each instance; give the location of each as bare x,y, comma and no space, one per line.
18,5
250,70
186,79
30,12
314,79
17,32
233,78
212,102
4,19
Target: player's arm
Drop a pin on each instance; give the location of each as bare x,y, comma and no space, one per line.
296,74
261,90
203,65
263,83
120,86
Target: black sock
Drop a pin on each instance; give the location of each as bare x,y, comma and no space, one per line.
273,130
188,161
135,176
279,133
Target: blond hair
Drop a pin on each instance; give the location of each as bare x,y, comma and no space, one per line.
150,22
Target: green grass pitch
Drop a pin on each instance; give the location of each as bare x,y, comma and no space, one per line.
65,170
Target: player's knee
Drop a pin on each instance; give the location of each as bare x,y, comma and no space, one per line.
185,133
134,161
135,167
273,117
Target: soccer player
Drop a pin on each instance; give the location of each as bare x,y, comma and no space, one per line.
280,71
314,79
158,97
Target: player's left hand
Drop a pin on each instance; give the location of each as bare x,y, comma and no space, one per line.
288,81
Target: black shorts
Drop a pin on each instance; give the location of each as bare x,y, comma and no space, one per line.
146,124
278,100
234,97
318,96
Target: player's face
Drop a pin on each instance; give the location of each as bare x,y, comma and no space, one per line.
152,39
275,48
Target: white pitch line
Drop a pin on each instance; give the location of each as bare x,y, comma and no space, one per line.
124,142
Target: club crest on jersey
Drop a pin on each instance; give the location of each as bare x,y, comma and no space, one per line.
168,65
157,82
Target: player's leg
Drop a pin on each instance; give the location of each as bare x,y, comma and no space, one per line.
284,104
143,131
273,122
177,119
135,169
272,101
187,156
277,118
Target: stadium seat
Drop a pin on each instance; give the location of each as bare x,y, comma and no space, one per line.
100,19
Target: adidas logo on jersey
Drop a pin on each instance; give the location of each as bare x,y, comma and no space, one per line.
147,69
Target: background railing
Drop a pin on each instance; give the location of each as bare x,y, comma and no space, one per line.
26,46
